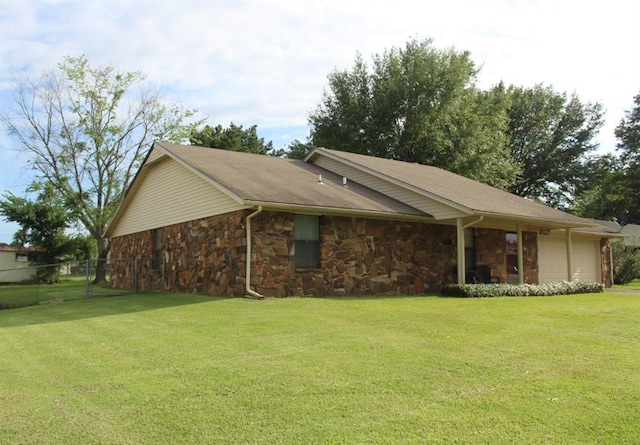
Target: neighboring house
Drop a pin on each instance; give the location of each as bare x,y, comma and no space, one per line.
629,233
632,232
15,264
336,223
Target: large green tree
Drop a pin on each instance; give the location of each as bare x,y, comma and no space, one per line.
616,192
42,222
551,136
85,130
418,104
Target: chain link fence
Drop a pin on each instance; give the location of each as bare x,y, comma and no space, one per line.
111,277
26,284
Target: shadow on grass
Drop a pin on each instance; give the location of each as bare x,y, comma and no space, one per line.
98,307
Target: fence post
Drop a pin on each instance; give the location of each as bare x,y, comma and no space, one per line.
87,283
134,278
163,286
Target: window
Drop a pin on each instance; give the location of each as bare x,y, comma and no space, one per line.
158,255
305,234
512,253
21,257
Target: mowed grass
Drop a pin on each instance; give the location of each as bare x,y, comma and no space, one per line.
185,369
26,294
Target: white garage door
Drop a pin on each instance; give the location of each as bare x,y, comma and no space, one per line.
552,260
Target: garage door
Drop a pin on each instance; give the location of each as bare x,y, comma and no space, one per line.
552,260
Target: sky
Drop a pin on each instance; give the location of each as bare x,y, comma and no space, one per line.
266,62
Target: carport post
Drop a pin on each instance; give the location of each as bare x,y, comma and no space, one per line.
460,249
569,256
520,255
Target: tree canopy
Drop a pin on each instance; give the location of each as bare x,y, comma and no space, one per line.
616,192
43,222
234,137
418,104
550,135
85,130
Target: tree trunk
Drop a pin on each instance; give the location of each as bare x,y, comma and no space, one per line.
101,263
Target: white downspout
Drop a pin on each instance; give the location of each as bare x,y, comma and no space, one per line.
247,278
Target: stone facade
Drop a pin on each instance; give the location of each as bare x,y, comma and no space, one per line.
490,247
358,256
607,266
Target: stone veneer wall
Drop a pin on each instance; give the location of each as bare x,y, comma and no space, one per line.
358,256
490,247
605,254
203,256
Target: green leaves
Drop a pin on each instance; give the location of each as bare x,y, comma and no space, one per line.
550,135
418,104
235,138
86,130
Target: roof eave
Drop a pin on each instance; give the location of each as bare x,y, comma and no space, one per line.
322,210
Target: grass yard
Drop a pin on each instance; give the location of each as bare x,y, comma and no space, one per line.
25,294
635,284
167,368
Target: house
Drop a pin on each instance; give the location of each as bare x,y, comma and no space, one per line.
336,223
632,232
15,264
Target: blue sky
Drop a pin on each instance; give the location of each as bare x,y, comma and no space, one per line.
266,62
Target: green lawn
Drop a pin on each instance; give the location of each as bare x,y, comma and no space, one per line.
25,294
166,368
635,284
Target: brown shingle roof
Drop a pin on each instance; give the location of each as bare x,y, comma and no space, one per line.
288,182
441,184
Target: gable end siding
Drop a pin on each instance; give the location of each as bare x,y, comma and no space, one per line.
427,205
171,194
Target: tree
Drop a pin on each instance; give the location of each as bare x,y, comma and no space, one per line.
298,149
42,225
628,134
85,131
550,135
418,104
235,138
616,192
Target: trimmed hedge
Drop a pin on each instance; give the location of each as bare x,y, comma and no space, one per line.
520,290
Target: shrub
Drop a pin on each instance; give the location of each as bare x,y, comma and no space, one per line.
521,290
626,263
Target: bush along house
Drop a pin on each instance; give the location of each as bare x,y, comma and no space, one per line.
227,223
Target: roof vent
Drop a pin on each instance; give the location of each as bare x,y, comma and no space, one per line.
320,179
344,181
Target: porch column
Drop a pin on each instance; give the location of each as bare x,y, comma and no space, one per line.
569,256
460,249
520,255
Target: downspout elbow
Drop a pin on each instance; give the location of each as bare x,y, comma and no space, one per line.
250,292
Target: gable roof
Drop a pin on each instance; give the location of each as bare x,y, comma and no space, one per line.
252,180
474,197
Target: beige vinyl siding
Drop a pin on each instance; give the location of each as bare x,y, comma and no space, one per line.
154,155
409,197
170,194
552,259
